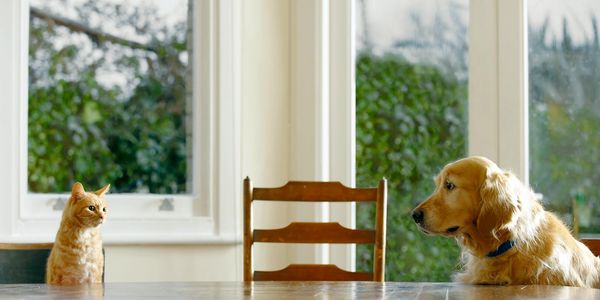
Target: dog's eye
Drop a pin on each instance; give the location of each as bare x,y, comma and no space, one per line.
449,185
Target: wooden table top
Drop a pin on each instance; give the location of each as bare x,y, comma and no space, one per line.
292,290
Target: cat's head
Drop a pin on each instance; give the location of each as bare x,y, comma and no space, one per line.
87,208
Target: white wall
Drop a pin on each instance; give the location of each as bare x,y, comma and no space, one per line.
265,98
266,112
171,263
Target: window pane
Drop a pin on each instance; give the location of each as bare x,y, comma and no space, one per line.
564,108
411,118
108,96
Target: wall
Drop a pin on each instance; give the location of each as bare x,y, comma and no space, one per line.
265,93
132,263
266,112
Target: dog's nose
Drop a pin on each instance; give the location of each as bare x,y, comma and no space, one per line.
418,216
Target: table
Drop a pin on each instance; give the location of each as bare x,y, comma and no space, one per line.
292,290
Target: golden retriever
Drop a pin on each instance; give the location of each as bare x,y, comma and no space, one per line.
505,235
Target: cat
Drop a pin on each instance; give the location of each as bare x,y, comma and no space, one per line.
76,256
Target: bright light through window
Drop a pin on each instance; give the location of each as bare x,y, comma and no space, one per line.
564,108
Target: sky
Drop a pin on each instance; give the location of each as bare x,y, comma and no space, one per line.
169,12
390,20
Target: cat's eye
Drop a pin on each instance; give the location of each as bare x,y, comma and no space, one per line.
449,185
104,209
92,208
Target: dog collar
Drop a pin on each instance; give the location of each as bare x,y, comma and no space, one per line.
502,248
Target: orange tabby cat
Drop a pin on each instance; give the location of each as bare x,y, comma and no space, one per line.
77,253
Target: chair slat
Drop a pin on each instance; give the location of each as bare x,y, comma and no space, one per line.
316,192
309,232
307,272
34,246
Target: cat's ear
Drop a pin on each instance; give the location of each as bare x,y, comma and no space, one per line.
102,191
77,192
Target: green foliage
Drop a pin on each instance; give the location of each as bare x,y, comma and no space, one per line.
81,128
411,121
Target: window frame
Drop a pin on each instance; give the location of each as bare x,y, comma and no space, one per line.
498,84
208,215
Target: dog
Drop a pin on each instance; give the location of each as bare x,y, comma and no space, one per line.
505,235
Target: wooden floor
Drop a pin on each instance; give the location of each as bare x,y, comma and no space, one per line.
292,290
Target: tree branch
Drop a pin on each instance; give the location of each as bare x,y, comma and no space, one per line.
95,34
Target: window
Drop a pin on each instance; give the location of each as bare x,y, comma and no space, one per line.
564,109
498,89
108,97
130,93
111,100
411,119
532,98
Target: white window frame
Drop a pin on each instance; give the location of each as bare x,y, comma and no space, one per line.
209,215
498,84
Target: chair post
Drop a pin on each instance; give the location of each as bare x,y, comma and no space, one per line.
380,227
248,239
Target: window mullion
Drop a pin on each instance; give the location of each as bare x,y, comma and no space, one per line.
513,87
498,83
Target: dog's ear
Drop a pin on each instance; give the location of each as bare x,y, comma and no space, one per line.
499,202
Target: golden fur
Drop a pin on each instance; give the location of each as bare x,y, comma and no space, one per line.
76,256
483,206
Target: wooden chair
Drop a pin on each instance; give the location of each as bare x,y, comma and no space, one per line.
23,263
593,244
26,263
315,232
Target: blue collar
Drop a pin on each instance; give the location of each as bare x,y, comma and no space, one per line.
502,248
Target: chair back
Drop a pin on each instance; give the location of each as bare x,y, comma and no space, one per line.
593,244
315,232
23,263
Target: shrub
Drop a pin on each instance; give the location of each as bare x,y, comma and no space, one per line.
411,120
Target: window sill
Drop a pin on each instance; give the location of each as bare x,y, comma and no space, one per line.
155,239
195,230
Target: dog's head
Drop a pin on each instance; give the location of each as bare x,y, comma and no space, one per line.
473,196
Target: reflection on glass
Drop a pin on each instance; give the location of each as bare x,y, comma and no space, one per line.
411,118
108,95
564,109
